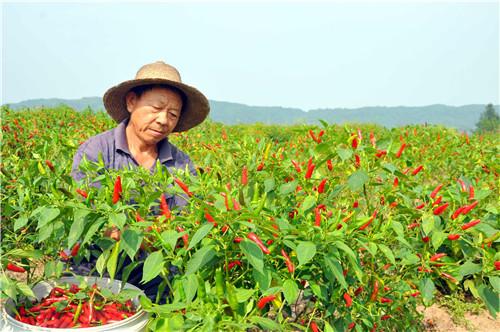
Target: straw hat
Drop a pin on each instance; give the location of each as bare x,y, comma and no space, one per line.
195,106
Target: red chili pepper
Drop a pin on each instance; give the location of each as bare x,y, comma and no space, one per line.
364,226
82,193
497,265
14,268
232,264
468,208
321,187
355,204
380,153
348,300
437,256
237,239
183,186
417,170
413,225
75,249
236,205
63,255
435,191
354,143
425,239
357,161
316,139
470,224
244,176
165,210
329,164
296,166
265,300
288,261
358,291
417,293
437,201
373,141
260,167
310,169
317,217
385,300
314,327
255,238
395,182
185,237
457,213
351,325
440,209
453,237
138,217
449,277
50,165
226,201
400,151
117,191
210,219
471,193
373,296
385,317
463,187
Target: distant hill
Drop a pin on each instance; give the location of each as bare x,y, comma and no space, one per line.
461,117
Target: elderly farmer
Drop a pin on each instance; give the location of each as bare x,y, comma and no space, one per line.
147,109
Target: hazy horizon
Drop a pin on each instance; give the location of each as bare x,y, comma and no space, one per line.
301,55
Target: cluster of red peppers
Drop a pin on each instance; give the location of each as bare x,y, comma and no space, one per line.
74,307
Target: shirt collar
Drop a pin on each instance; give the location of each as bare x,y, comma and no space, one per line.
164,146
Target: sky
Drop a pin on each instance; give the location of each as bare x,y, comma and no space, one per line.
290,54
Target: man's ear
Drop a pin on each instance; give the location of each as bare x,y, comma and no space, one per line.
131,100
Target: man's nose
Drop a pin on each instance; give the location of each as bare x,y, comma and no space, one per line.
162,118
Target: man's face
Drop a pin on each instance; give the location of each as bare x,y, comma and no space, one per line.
154,114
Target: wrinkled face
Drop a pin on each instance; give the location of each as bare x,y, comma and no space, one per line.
154,114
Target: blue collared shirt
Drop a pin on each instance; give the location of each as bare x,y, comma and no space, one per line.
113,146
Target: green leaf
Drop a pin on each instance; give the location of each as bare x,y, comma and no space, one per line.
190,285
266,323
344,154
20,223
131,241
495,283
288,187
243,294
101,262
170,237
46,215
308,203
118,219
342,246
490,299
290,291
469,268
153,265
357,179
388,253
24,289
262,279
128,294
92,230
77,227
427,290
146,303
269,185
200,258
45,233
328,327
427,223
335,267
112,261
253,254
398,228
305,252
200,234
437,239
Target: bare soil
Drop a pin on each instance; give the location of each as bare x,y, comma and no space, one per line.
438,319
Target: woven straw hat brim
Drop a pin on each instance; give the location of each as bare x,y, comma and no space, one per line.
195,106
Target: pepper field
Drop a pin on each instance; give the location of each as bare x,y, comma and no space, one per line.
357,224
